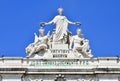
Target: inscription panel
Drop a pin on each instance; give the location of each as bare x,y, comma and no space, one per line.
59,63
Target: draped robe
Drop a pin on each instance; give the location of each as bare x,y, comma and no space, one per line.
61,27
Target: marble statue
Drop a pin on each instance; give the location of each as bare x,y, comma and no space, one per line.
60,39
61,26
77,41
40,43
31,46
80,44
86,48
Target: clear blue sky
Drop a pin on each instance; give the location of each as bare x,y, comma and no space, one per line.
100,19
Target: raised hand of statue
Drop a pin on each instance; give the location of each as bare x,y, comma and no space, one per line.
42,24
77,23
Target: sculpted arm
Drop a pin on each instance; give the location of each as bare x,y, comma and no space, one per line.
74,23
70,22
50,22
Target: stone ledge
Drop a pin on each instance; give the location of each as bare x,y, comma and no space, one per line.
13,69
60,73
12,72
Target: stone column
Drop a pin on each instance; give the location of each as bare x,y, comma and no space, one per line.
11,77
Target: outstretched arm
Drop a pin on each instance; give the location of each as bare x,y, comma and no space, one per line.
47,23
74,23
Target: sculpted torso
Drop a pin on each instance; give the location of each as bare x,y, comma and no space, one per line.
42,40
77,41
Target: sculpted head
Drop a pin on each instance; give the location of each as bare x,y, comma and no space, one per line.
60,11
41,30
79,31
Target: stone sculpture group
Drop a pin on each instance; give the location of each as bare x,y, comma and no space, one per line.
60,35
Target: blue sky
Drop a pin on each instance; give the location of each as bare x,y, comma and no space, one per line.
100,19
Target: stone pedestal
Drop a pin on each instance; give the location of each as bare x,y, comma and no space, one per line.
59,46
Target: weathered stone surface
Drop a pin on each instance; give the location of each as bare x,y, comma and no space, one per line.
104,69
